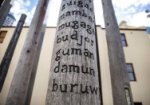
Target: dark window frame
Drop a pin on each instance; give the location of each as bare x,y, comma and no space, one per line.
133,72
138,103
2,37
128,95
123,39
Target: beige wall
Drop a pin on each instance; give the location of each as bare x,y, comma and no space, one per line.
104,65
137,52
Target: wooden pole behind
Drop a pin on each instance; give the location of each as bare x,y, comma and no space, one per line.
10,50
21,79
118,70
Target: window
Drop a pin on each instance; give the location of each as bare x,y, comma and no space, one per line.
131,73
137,103
128,96
2,36
123,40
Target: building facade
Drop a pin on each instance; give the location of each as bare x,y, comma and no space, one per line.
9,20
136,44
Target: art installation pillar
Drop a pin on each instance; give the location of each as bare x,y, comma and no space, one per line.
74,70
120,83
22,80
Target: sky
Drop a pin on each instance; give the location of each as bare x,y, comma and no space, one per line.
131,11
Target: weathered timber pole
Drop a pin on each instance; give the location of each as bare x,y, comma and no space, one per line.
34,70
119,78
4,10
74,70
10,51
21,80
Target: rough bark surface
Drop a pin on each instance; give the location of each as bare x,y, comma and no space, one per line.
74,71
118,70
21,80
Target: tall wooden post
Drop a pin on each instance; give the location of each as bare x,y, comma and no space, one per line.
34,70
4,10
22,76
119,78
10,50
74,71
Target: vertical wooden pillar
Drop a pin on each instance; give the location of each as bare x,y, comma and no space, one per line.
10,50
34,70
22,76
118,72
4,10
74,70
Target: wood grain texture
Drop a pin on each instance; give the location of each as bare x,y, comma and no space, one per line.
74,71
118,70
21,80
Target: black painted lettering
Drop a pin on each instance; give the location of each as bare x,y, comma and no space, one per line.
63,88
69,4
74,68
87,53
57,55
84,89
62,17
83,24
76,51
87,6
92,72
64,69
74,36
93,89
67,24
89,29
55,86
76,12
73,87
87,39
84,14
80,43
65,38
58,39
80,4
63,7
92,42
62,26
68,13
85,70
56,69
66,52
75,25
